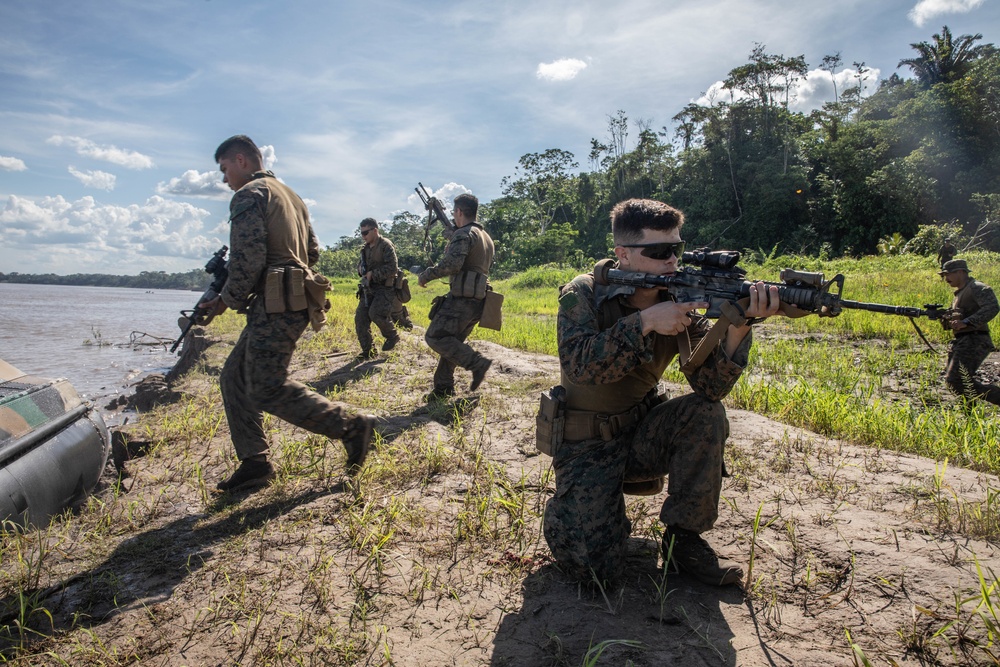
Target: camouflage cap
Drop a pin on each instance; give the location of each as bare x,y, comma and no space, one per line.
953,265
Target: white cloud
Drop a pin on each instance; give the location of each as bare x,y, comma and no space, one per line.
196,184
113,154
565,69
159,227
11,164
100,180
812,92
928,9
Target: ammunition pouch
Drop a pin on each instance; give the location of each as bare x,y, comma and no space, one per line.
492,317
402,286
285,289
550,422
469,285
435,307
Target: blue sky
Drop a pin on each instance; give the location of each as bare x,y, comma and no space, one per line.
111,111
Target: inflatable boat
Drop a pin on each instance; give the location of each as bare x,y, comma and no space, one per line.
53,447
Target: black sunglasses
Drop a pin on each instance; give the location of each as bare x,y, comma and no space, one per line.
658,251
364,232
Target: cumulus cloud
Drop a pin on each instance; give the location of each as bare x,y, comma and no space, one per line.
11,164
196,184
812,92
113,154
564,69
158,227
925,10
100,180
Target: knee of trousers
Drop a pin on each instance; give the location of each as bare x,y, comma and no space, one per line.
701,410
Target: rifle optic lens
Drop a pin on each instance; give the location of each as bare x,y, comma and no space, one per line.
658,251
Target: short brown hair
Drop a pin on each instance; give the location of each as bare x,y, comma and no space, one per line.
369,223
630,217
468,203
236,144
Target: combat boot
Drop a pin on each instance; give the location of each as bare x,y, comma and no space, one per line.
479,373
391,343
250,474
439,394
690,553
357,441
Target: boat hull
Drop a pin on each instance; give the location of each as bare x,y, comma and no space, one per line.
53,447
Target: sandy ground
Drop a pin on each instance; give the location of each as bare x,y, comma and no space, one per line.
434,555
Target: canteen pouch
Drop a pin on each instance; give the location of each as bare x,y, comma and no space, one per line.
402,286
295,289
469,285
551,421
435,307
274,290
492,317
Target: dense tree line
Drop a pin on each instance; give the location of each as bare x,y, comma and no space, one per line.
196,279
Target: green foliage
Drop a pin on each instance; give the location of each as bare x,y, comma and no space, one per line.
928,239
891,245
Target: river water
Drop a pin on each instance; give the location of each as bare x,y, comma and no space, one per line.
83,334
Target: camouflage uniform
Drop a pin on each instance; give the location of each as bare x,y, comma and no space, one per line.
470,251
269,228
977,305
613,365
946,253
377,299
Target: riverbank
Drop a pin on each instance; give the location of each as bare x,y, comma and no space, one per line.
435,557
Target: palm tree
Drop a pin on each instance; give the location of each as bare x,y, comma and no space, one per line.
946,59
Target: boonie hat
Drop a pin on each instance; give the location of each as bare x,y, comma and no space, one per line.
953,265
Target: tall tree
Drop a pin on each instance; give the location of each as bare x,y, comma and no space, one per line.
946,59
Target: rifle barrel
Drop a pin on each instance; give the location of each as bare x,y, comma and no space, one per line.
905,311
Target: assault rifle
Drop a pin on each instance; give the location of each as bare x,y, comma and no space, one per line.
715,278
218,267
435,212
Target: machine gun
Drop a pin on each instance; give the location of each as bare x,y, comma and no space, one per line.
218,267
435,213
715,278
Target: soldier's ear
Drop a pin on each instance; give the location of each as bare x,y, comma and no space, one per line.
621,253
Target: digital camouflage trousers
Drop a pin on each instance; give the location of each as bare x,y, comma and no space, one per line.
375,306
255,380
453,321
965,356
585,523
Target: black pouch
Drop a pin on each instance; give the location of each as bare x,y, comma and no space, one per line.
435,306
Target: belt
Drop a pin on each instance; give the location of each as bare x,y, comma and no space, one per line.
587,425
971,333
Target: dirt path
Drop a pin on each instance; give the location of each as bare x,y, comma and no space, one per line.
435,556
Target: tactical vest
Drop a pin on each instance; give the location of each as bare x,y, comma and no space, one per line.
288,228
967,304
472,281
631,390
373,259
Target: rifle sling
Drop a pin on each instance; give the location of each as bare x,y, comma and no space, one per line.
691,360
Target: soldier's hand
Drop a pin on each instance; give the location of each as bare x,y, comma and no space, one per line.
764,301
669,318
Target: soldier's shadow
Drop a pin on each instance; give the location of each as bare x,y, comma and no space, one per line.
353,370
445,413
143,570
649,618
